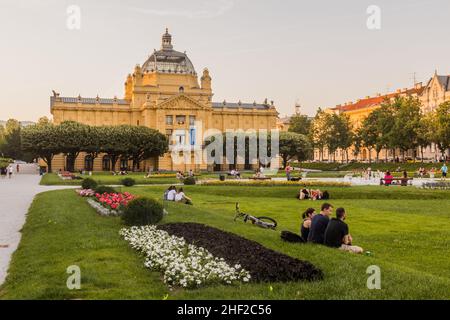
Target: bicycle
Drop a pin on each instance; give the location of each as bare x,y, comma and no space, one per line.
263,222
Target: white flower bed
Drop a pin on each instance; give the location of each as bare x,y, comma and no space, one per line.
182,264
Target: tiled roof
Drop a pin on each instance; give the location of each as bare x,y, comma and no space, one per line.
90,100
240,105
374,101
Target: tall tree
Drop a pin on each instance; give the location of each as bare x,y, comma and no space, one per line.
300,124
75,138
12,142
369,134
442,136
145,143
319,132
42,141
344,132
407,119
294,146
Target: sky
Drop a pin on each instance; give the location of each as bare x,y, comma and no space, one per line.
317,53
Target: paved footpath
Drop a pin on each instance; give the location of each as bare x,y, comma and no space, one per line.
16,195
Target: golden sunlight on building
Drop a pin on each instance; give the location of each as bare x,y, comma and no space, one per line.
165,94
435,92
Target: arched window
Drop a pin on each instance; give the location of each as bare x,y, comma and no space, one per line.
181,89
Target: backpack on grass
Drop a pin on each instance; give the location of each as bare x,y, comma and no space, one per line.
291,237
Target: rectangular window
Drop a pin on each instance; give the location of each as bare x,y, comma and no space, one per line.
169,135
169,120
181,119
192,136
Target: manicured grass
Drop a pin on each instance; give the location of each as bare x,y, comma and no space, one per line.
107,179
406,229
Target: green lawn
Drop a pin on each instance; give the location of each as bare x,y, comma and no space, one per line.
406,229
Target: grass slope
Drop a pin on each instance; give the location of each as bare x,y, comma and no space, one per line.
408,231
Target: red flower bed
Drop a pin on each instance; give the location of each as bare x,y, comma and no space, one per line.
114,201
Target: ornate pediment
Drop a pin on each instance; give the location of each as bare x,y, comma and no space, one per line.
181,101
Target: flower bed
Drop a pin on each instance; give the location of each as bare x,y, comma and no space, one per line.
114,201
182,264
85,192
262,263
106,204
269,183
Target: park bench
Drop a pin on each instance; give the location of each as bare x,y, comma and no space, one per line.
403,181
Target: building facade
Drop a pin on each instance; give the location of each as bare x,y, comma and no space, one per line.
431,95
164,94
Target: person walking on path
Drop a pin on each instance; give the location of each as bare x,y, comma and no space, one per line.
10,171
17,168
288,172
444,171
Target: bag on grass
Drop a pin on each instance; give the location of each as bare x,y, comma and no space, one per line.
291,237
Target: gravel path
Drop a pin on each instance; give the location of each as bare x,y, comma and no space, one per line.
16,195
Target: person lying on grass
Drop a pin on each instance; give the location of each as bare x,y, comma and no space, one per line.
337,234
319,224
182,198
306,223
312,194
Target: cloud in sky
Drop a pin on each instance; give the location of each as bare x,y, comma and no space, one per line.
205,9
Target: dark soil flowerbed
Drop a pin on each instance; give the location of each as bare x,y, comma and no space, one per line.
262,263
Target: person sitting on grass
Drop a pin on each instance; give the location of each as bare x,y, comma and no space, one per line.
171,192
337,234
306,223
388,178
180,176
181,197
319,224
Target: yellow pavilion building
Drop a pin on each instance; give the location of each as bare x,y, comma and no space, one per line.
164,94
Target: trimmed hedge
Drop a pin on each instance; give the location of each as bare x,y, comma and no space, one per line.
104,189
190,181
142,212
89,183
128,182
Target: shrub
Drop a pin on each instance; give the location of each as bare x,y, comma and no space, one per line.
128,182
89,183
142,211
104,189
189,181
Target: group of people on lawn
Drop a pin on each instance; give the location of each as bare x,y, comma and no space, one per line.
320,229
172,194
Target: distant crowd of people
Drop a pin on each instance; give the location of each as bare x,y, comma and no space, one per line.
334,232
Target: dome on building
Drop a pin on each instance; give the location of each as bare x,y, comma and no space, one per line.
168,60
